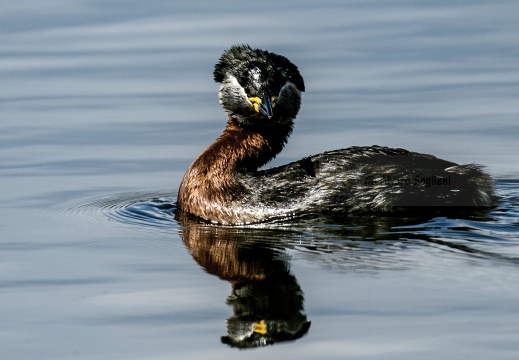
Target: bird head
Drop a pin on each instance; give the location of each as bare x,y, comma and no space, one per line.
258,88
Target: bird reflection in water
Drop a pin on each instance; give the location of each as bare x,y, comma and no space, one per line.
267,301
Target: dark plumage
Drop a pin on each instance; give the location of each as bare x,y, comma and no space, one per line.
275,70
261,93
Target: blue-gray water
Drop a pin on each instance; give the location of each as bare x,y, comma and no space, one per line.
103,104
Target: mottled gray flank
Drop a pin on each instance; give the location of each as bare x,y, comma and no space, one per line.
364,179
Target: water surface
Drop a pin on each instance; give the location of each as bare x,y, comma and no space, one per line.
103,105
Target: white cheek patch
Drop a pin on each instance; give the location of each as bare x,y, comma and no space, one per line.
230,86
232,96
230,80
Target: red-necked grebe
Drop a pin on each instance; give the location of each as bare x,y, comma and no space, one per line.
261,93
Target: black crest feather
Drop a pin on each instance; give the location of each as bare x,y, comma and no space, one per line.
240,59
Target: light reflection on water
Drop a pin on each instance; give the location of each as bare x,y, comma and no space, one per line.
267,300
480,233
104,103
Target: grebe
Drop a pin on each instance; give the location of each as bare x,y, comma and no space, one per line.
261,93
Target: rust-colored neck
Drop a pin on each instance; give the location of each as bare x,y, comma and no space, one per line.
211,182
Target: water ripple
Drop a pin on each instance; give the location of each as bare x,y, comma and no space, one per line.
493,234
149,210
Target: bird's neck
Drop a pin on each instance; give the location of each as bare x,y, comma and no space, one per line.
212,175
242,148
249,148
